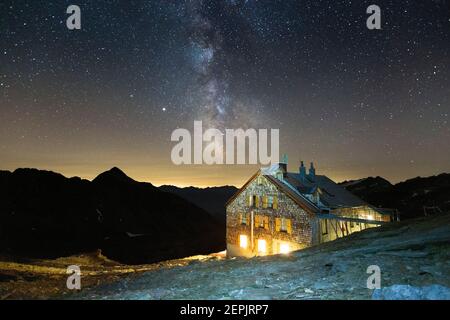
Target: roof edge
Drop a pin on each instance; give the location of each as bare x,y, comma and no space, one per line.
242,188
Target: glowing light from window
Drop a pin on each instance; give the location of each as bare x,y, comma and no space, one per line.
284,248
262,248
370,217
243,241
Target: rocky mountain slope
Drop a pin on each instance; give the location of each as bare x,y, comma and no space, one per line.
413,256
412,198
367,185
44,215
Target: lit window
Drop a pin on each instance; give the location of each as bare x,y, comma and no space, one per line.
284,248
255,202
243,241
370,217
261,222
262,248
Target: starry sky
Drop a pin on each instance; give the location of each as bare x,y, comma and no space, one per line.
357,102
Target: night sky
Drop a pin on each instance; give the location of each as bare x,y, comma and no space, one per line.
356,102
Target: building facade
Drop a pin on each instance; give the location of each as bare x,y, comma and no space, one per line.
277,212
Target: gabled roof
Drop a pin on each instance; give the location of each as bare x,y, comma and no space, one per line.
333,195
290,191
242,188
298,198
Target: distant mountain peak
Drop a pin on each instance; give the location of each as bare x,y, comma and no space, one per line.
116,171
409,197
374,181
113,173
43,214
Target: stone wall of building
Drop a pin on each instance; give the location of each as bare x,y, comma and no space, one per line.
298,236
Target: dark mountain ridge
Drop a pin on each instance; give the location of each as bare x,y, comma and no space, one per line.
412,198
211,199
44,214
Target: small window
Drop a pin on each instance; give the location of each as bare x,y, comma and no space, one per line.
284,224
275,202
352,224
270,202
324,226
261,221
243,218
255,201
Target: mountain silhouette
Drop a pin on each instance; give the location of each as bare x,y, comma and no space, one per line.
211,199
412,198
44,215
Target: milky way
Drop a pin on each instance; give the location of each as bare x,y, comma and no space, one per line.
211,55
358,102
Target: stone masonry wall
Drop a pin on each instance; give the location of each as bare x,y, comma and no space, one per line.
301,227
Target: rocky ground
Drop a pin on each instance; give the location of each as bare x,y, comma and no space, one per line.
46,279
414,258
415,253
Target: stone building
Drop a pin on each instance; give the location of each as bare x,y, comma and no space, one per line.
278,211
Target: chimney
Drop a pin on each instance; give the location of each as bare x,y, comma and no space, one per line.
283,163
312,172
302,171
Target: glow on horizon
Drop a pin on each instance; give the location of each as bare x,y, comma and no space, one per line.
200,176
